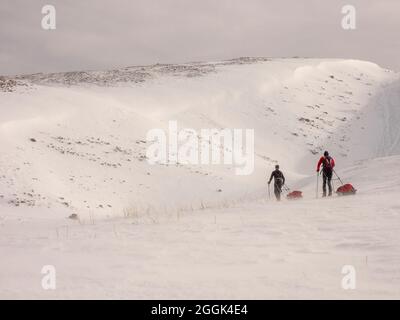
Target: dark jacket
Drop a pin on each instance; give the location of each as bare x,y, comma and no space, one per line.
278,176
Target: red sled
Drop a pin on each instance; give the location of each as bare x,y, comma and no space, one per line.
294,195
345,190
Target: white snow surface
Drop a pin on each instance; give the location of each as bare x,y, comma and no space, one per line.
76,143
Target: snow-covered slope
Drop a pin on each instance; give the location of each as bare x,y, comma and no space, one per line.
76,143
260,250
79,139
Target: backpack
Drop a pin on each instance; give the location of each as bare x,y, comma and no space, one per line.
327,163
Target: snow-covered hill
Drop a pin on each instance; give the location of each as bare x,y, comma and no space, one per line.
76,143
79,139
259,250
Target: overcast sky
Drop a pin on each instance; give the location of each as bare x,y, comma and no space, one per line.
100,34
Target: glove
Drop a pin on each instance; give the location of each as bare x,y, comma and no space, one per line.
269,182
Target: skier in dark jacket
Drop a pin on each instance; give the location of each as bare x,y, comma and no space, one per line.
328,164
279,181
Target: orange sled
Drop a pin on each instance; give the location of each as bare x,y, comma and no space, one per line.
294,195
346,189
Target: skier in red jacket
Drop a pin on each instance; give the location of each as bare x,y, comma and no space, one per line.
328,164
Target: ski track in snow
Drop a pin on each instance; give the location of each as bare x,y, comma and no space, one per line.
75,143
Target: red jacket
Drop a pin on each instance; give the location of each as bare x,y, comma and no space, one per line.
326,162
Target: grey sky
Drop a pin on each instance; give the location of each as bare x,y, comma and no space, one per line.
100,34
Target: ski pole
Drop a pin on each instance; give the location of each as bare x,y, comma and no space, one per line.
338,177
269,192
316,193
